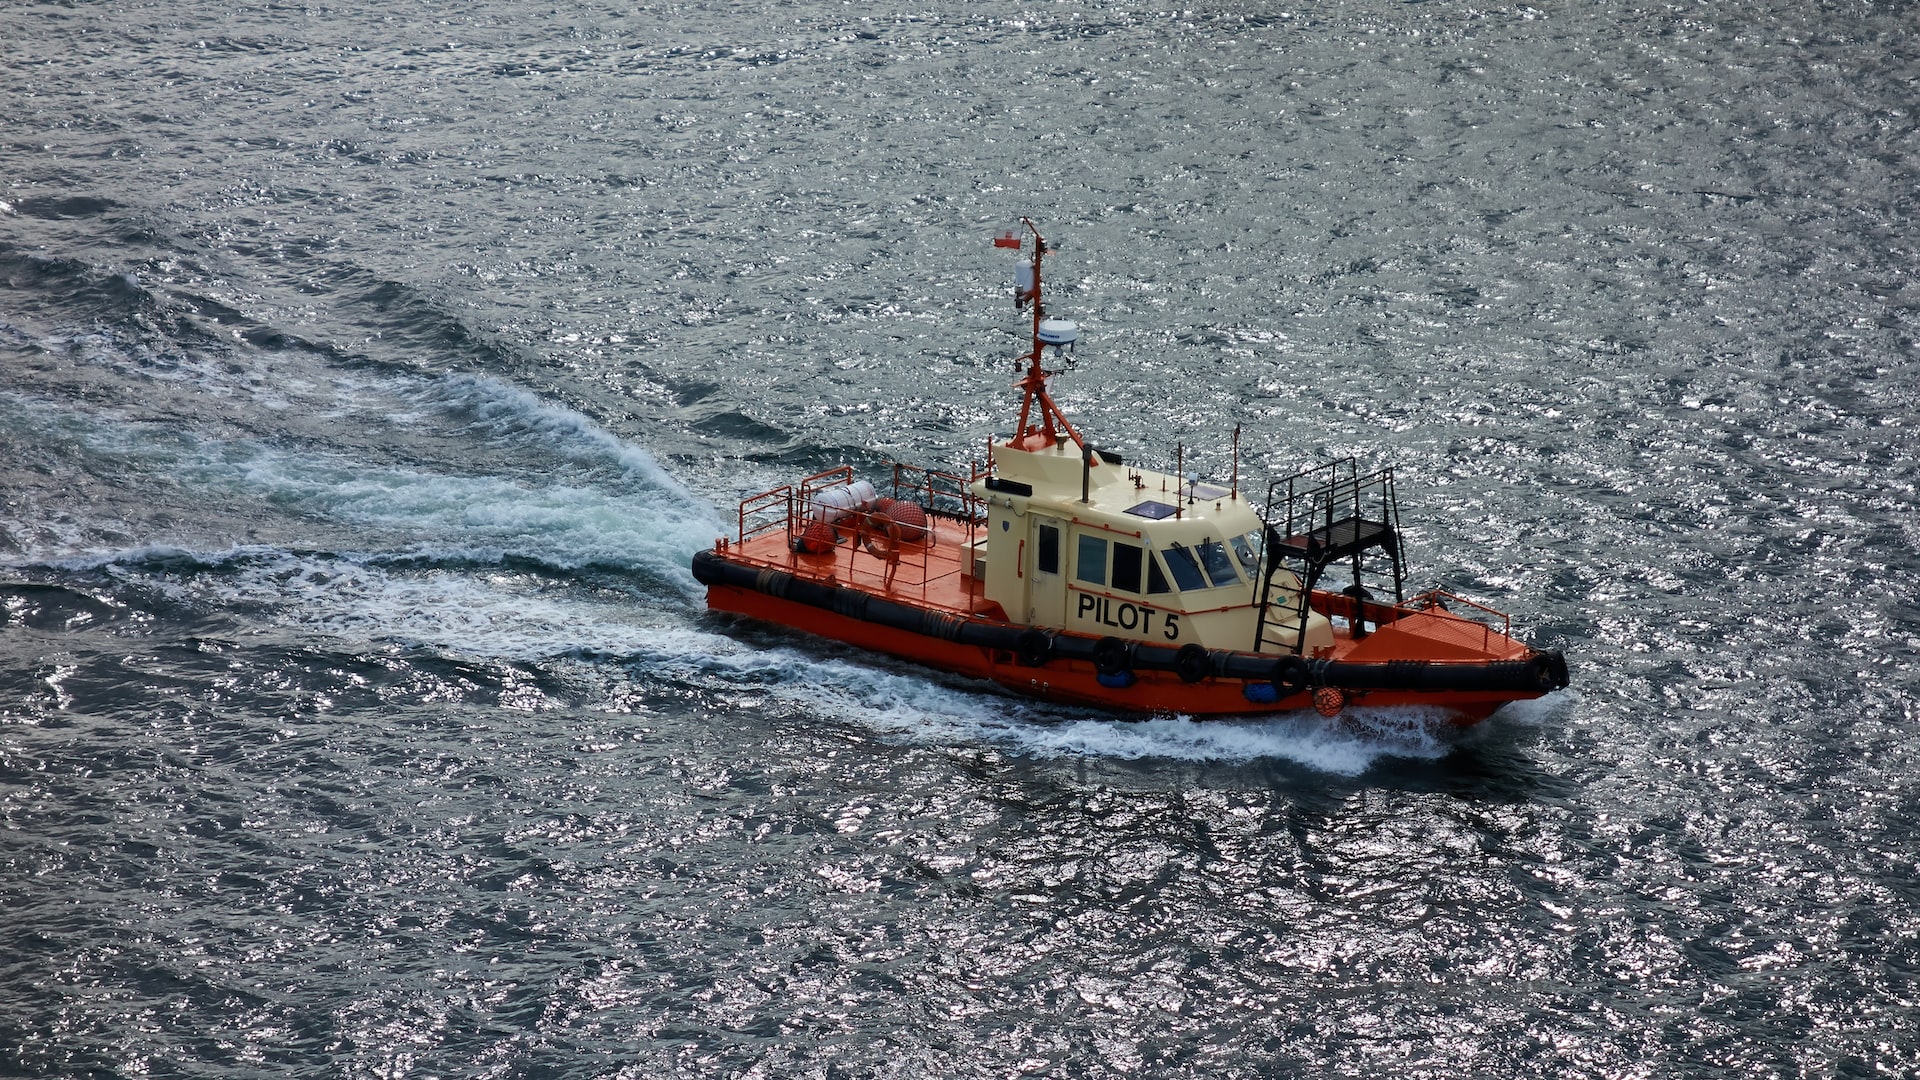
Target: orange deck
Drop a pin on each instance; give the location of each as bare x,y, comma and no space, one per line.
926,575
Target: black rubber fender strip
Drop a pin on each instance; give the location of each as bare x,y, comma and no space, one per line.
1150,657
814,594
895,616
1497,675
1074,646
989,636
851,604
710,569
1556,668
1238,665
941,625
775,583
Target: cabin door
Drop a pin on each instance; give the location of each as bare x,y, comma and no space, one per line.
1046,572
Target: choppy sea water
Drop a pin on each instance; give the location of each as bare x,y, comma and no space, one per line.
372,374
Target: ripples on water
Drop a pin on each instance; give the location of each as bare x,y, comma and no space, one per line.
374,374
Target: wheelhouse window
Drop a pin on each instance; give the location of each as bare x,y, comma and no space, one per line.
1205,565
1091,564
1126,567
1246,549
1184,568
1219,567
1156,577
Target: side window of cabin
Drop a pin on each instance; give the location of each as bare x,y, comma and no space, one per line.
1046,557
1184,568
1126,567
1091,565
1156,578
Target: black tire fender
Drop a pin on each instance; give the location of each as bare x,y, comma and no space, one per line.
1290,675
1111,656
1192,662
1540,673
1033,648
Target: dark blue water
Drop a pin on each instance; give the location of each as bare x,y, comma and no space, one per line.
371,375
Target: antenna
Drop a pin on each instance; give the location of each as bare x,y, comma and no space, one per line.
1236,463
1059,334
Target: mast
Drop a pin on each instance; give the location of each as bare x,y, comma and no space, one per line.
1033,383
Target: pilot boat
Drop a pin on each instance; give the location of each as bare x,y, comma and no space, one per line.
1058,570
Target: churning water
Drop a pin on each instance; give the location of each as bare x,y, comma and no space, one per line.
373,371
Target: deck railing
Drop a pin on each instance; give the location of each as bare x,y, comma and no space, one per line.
1474,630
1437,603
765,512
946,497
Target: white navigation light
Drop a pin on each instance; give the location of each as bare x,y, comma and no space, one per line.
1058,333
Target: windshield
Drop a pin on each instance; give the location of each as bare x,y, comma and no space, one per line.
1205,565
1213,556
1245,548
1185,569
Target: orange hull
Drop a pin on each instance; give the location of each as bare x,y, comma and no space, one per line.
1078,681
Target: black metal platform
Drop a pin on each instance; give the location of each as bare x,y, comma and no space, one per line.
1337,540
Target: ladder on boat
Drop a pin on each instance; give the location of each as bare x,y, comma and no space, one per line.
1326,516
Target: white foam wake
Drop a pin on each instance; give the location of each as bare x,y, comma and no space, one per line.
509,413
921,708
621,510
480,518
356,600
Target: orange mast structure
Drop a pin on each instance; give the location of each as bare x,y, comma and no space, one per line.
1033,383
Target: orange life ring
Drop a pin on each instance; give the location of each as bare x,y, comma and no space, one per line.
881,538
